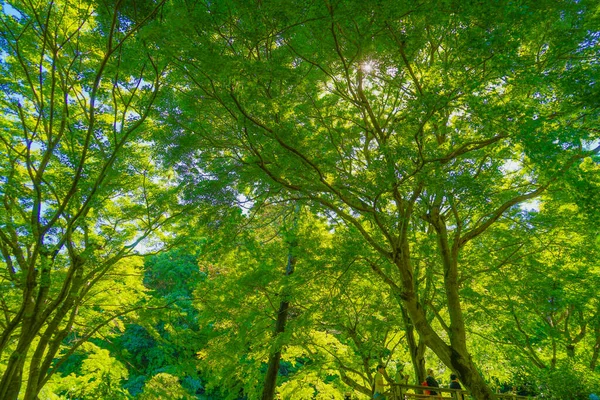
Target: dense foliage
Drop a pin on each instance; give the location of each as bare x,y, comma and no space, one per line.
242,199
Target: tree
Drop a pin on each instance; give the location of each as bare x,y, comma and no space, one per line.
166,338
417,124
540,270
80,191
164,385
100,376
270,384
253,256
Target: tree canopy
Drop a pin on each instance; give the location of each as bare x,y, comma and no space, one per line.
233,199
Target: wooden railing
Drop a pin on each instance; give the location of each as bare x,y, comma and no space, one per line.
410,392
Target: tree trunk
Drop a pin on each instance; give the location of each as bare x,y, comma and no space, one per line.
274,358
12,377
273,368
420,372
416,347
45,351
460,359
10,385
594,361
454,355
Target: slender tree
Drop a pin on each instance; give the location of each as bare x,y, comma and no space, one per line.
282,313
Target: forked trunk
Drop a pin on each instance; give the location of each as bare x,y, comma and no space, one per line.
455,357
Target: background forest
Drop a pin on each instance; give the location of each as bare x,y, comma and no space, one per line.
245,199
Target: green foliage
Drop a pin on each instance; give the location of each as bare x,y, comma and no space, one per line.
100,377
164,386
569,381
165,340
442,156
174,274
